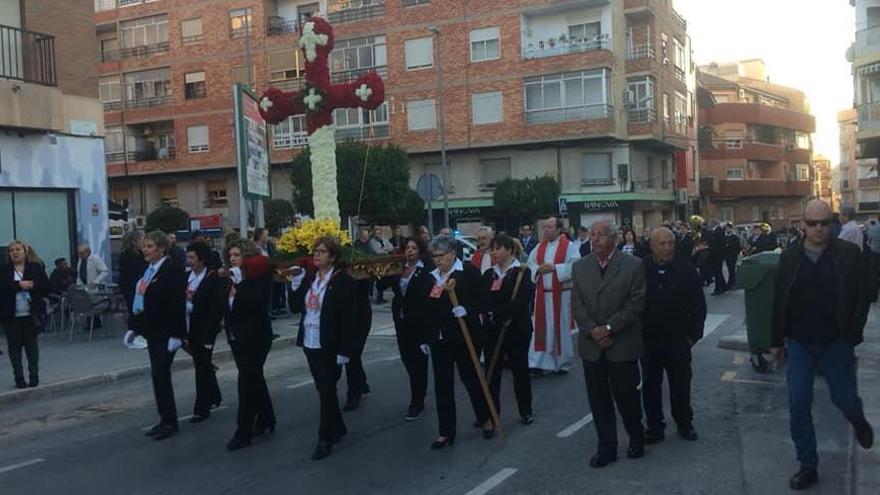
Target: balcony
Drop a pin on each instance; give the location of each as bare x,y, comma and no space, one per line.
27,56
149,102
143,50
295,84
753,150
278,26
554,48
869,117
867,46
640,52
641,115
755,113
140,155
413,3
350,75
678,19
569,114
870,182
362,133
750,188
112,106
355,10
679,74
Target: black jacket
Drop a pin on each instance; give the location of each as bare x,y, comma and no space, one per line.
338,313
851,284
716,242
684,247
439,319
675,307
498,306
164,312
131,268
248,321
61,280
210,302
732,246
9,288
408,309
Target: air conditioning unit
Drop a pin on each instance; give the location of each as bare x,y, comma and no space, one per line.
140,222
741,93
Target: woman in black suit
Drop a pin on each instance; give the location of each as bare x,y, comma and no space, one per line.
131,267
205,307
23,287
502,307
159,307
327,333
443,340
410,291
249,329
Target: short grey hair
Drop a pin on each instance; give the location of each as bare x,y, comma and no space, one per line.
443,243
159,238
613,228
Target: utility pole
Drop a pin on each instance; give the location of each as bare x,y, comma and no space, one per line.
445,168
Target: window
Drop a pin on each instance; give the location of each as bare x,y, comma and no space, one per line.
680,116
756,213
148,87
420,115
168,194
728,214
240,74
360,123
597,169
113,144
487,108
666,118
191,30
803,172
109,49
578,95
358,53
144,32
419,53
305,12
585,31
110,89
197,138
493,171
217,193
239,22
680,60
735,173
640,95
284,65
194,85
291,133
733,140
120,194
485,44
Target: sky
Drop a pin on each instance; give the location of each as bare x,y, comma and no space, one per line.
802,42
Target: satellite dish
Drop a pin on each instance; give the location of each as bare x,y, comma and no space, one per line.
429,187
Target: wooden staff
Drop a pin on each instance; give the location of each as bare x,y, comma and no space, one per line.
504,327
462,325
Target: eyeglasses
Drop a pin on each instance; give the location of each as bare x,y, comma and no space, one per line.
812,223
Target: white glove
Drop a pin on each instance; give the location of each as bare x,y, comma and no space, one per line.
174,344
235,274
459,311
426,349
128,338
340,360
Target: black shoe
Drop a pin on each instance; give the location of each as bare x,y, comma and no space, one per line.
322,450
366,390
238,442
35,382
635,451
352,403
527,419
263,429
441,443
414,413
864,433
198,418
20,383
688,434
536,372
488,434
339,437
803,479
166,431
654,437
217,402
601,460
154,430
275,336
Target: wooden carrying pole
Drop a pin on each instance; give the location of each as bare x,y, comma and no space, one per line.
450,288
497,352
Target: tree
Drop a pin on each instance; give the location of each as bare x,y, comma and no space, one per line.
279,214
168,219
525,200
387,197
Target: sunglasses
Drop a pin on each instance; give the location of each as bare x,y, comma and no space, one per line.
812,223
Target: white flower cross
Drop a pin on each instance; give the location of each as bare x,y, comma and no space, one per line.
312,99
309,40
266,104
364,92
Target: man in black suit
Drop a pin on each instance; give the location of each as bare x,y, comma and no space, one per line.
716,250
732,247
527,239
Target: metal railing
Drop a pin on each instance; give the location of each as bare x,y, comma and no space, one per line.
348,13
598,181
869,116
144,50
294,84
641,115
679,19
554,115
278,25
108,55
191,39
867,41
547,49
679,73
27,56
149,102
410,3
352,74
113,106
101,5
140,155
362,133
640,52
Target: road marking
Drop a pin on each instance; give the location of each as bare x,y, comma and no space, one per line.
489,484
739,359
383,331
20,465
571,430
374,361
187,418
300,384
730,376
713,321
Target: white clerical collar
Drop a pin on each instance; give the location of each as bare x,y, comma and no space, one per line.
419,264
514,264
456,267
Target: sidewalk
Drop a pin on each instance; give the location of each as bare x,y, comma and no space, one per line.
867,463
67,366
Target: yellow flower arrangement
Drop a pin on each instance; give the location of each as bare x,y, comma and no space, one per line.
300,240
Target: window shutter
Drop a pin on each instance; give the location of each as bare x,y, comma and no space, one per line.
419,53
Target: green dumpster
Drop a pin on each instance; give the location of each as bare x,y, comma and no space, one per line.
757,276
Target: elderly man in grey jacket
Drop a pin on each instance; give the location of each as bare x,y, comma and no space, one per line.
608,298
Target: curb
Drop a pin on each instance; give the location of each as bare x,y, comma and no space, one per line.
64,387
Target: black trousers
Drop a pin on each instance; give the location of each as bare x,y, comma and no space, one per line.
675,360
731,272
355,375
325,374
515,349
207,389
415,362
21,334
254,404
718,274
160,369
279,296
608,380
874,279
445,357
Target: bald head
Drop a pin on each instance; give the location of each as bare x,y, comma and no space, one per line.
662,245
817,209
817,224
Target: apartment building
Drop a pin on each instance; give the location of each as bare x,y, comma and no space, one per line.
865,58
756,146
53,183
847,174
822,188
597,93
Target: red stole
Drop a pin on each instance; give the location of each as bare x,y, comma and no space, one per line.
540,309
477,259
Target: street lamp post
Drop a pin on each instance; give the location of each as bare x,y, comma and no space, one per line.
444,166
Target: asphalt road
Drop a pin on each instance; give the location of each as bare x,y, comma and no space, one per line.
92,442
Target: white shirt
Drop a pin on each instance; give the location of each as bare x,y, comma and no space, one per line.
852,233
22,297
404,279
514,264
312,319
195,279
441,280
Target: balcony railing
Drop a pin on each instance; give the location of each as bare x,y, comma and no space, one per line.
410,3
289,141
362,133
112,106
641,115
279,25
547,49
139,155
679,74
149,102
867,42
27,56
601,181
679,19
348,12
554,115
144,50
108,55
869,116
351,75
640,52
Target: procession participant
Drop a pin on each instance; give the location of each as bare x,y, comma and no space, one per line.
582,242
326,333
355,375
732,248
205,299
23,287
482,257
527,239
506,291
716,240
675,311
160,308
550,265
410,292
249,330
443,340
